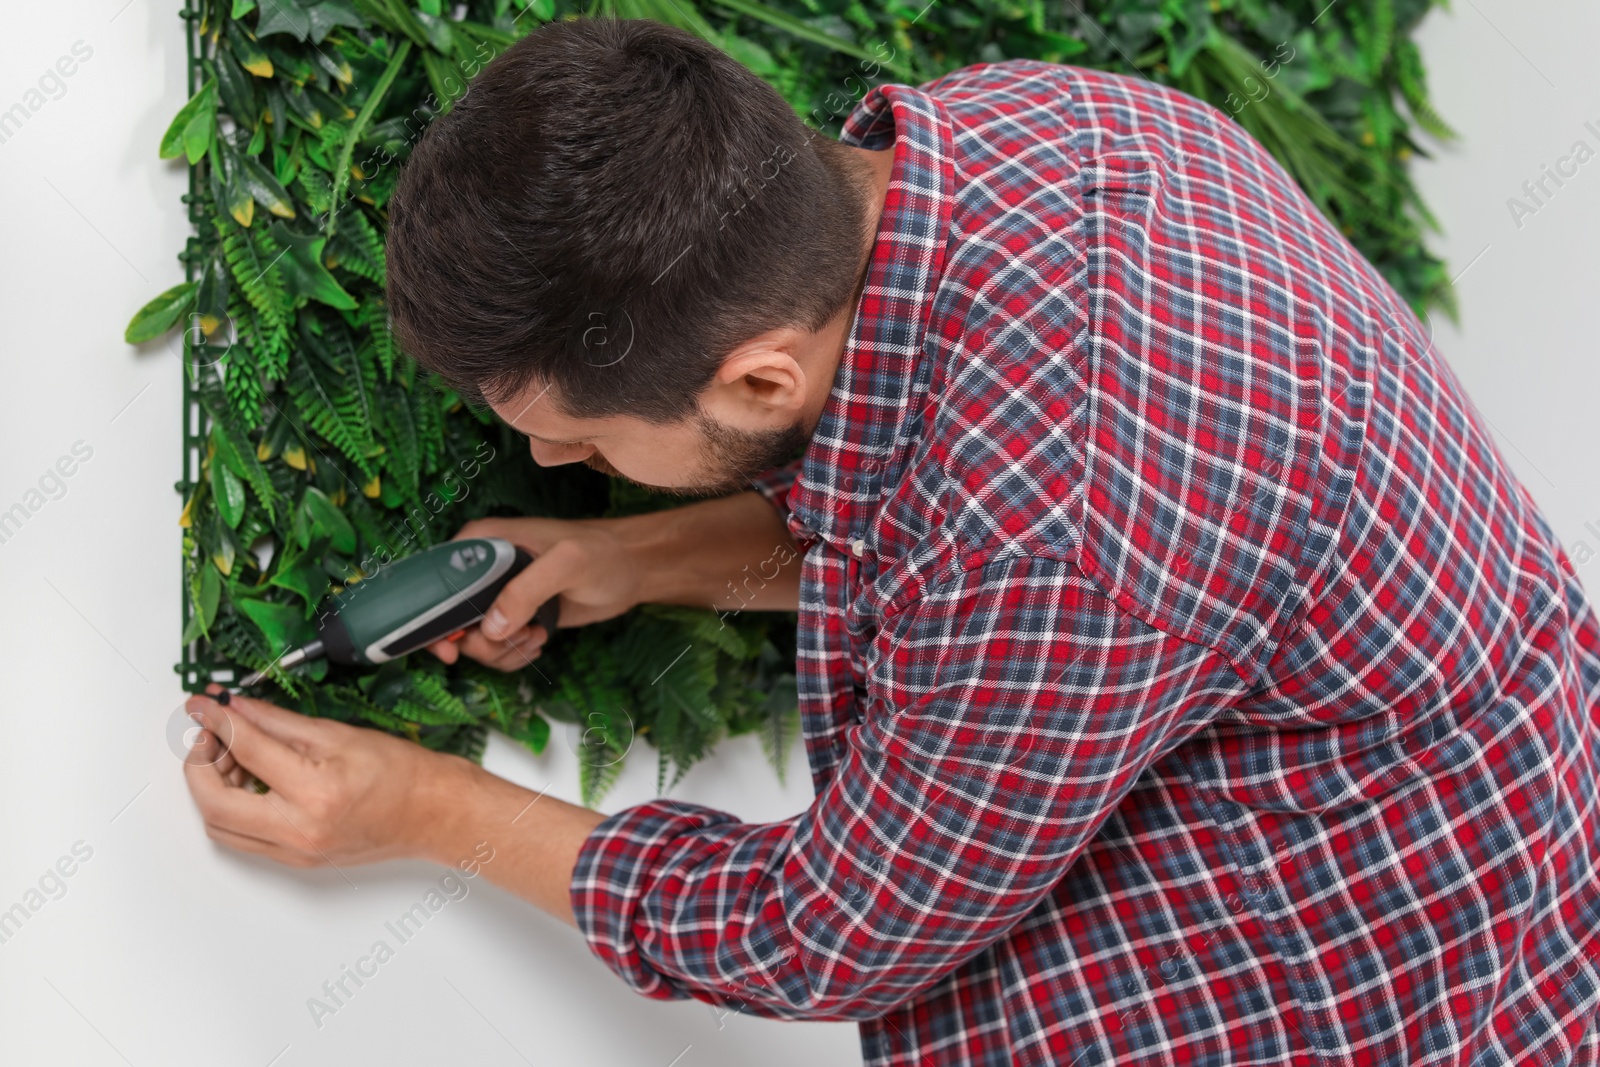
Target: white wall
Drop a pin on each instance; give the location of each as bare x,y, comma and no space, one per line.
1520,83
165,949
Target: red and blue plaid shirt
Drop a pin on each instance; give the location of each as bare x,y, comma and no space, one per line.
1185,675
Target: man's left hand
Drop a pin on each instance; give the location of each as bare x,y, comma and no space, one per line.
344,795
338,794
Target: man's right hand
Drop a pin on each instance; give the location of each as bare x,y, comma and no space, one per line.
730,554
588,563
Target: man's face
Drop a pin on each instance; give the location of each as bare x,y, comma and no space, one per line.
698,456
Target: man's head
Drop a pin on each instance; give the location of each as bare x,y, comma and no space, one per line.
633,250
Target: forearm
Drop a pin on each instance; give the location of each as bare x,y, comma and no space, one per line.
730,554
535,838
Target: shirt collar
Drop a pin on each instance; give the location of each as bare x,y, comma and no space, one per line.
881,370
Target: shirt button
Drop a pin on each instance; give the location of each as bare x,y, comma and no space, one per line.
858,547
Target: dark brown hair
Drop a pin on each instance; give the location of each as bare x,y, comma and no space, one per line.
611,207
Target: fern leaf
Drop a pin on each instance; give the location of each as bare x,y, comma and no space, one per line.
317,188
780,726
252,259
430,426
374,317
360,247
403,458
428,701
243,385
330,405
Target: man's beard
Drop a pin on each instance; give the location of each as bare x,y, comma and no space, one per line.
733,457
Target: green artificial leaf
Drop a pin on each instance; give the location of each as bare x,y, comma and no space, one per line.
302,107
283,625
241,460
207,592
251,56
330,13
303,272
534,732
300,527
160,314
1197,31
242,8
261,184
333,61
432,7
445,79
284,16
191,629
228,492
211,301
237,88
749,53
438,30
328,521
300,572
228,188
782,20
426,700
201,109
198,134
308,19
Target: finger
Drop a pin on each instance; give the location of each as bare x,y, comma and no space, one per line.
252,747
245,843
242,811
524,594
445,650
523,645
481,648
515,659
299,732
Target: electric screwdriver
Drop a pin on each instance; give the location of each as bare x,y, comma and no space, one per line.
413,602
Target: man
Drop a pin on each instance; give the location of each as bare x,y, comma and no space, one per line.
1185,675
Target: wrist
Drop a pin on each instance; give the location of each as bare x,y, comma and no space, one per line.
650,543
452,797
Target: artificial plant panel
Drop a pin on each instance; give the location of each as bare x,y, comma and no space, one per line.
315,450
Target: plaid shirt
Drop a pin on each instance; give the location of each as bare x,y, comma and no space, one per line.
1185,675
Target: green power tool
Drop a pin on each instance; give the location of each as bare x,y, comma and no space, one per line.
413,602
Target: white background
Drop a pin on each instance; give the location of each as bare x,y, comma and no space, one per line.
165,949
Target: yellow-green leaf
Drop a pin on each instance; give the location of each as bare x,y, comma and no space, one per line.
263,186
223,557
197,136
211,302
160,315
203,103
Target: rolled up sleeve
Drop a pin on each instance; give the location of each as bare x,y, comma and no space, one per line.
1010,709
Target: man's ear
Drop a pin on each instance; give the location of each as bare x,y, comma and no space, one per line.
762,380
